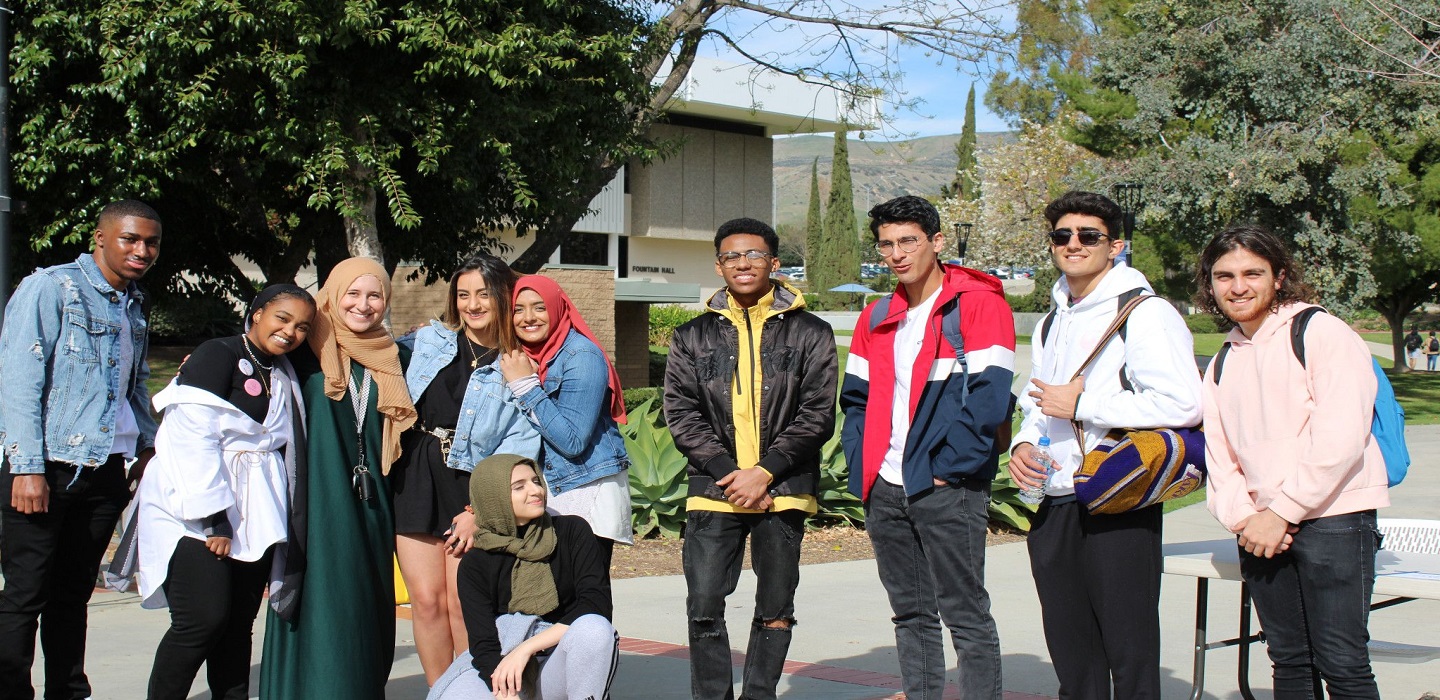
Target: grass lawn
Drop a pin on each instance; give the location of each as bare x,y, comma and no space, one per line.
164,364
1382,338
1419,394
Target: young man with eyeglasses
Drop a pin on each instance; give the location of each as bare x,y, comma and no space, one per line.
1098,576
919,436
750,400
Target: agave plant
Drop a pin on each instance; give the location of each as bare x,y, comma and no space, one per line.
1005,504
837,504
657,474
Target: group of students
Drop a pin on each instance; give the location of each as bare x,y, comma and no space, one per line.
1417,345
482,452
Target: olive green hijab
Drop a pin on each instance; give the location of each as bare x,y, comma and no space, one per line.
532,585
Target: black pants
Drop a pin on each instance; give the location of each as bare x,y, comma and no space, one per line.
1098,577
213,602
713,554
50,561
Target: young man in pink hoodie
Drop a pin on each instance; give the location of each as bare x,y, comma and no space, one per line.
1294,471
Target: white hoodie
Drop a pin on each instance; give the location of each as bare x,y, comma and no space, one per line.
1159,359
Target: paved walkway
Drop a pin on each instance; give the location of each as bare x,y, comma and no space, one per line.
844,644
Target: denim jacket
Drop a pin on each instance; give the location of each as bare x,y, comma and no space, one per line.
572,413
489,421
59,352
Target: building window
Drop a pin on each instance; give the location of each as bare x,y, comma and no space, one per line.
584,249
622,249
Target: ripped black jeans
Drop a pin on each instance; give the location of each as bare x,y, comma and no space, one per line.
714,549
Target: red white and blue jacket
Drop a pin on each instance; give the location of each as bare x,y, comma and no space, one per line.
954,411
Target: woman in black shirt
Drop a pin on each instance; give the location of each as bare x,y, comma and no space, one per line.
535,594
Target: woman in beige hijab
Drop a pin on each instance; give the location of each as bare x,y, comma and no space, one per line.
332,632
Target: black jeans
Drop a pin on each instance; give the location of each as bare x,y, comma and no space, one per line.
1098,578
213,601
50,561
930,551
713,552
1314,605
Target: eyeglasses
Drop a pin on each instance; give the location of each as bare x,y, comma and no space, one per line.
908,244
1089,237
731,259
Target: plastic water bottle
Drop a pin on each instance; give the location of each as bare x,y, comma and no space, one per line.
1040,456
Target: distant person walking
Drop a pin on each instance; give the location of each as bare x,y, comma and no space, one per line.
1432,351
1294,470
1412,346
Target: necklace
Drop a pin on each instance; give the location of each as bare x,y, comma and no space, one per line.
265,374
474,355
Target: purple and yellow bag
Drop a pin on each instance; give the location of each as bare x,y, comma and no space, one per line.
1134,469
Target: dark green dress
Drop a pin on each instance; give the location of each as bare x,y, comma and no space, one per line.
342,642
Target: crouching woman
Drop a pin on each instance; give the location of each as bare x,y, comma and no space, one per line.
535,594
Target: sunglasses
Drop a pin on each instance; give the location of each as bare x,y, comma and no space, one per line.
1089,237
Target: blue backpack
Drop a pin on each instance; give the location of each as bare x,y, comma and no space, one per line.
1388,425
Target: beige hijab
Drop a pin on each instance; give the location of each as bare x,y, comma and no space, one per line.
374,349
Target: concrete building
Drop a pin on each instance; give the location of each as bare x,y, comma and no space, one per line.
649,238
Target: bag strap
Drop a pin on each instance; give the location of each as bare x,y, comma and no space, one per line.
880,311
1105,338
1219,361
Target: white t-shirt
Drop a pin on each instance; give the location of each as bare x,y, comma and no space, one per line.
908,339
127,431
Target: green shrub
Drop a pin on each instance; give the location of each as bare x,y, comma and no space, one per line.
657,474
176,320
658,357
664,319
1038,300
1202,323
637,396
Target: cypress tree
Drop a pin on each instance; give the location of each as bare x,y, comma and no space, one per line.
841,260
814,224
967,180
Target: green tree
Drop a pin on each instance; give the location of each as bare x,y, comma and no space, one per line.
967,178
1258,111
1403,237
838,260
362,128
814,222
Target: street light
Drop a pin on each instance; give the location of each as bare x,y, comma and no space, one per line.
962,239
1129,196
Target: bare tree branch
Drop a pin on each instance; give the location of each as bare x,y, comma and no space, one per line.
1422,69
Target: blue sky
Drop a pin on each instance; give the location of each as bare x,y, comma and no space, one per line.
939,86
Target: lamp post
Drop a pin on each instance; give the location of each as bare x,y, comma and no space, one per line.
4,157
1129,196
962,239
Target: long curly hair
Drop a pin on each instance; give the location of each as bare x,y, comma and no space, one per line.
1262,242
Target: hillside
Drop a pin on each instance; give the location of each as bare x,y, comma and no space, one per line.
879,169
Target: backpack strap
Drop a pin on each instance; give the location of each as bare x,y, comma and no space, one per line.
1219,361
880,311
1120,303
1045,326
1297,332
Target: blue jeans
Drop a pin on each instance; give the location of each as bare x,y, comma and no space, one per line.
930,551
1314,605
1430,362
713,552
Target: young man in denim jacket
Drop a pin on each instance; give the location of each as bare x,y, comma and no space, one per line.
750,399
72,361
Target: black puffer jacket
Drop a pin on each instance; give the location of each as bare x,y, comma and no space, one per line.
799,368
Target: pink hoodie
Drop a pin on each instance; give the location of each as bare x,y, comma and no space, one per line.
1292,439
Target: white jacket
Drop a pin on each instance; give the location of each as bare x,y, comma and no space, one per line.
1158,355
210,457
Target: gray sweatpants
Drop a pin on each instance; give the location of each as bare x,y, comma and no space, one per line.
581,667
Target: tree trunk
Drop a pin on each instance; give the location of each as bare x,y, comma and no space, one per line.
1395,314
549,237
362,238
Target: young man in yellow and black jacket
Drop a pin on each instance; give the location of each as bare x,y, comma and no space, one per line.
750,398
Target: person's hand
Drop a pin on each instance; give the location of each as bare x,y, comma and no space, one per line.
137,470
746,488
1057,400
219,546
1265,534
505,681
30,494
516,364
461,535
1023,469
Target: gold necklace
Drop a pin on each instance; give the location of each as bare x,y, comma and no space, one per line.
474,356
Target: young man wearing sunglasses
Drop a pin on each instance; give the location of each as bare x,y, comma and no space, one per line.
919,435
750,399
1098,576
